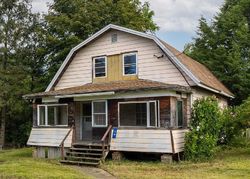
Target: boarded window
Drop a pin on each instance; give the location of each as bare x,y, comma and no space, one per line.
100,67
99,114
130,64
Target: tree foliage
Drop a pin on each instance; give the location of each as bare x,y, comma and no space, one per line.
19,67
70,22
223,46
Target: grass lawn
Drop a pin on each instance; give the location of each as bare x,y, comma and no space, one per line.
229,163
18,163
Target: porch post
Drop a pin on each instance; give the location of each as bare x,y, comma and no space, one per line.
71,118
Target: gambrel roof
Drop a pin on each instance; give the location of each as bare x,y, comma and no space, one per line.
197,72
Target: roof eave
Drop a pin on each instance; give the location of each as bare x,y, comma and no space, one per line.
215,90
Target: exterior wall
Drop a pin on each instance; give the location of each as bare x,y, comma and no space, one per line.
115,70
79,71
199,93
148,140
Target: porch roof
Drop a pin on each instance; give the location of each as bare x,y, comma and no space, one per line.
116,86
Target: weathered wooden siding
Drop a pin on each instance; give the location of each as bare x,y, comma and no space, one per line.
142,141
199,93
147,140
115,71
79,72
179,138
49,137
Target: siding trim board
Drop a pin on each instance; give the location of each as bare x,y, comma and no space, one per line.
115,27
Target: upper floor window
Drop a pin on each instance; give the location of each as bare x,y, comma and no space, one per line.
100,67
130,64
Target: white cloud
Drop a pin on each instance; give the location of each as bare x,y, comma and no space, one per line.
170,15
182,15
40,5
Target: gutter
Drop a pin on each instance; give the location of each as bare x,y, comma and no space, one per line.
215,91
86,94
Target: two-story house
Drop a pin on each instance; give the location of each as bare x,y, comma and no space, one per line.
120,90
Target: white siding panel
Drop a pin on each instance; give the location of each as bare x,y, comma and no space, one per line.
148,140
197,94
50,137
79,71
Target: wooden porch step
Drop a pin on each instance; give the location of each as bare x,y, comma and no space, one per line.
84,153
85,149
89,144
82,158
79,163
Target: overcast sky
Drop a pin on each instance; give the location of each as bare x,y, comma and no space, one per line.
177,19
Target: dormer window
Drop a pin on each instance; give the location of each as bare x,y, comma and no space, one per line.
100,66
130,64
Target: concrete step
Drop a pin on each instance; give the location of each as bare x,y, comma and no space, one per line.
79,163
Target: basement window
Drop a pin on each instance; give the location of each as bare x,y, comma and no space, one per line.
52,115
100,67
138,114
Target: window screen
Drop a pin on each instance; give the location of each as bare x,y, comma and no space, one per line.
129,64
100,67
99,113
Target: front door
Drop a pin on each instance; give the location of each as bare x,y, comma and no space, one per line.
86,121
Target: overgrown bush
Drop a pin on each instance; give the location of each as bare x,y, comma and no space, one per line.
201,141
234,122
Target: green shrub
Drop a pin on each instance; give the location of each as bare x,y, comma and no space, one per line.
234,121
201,141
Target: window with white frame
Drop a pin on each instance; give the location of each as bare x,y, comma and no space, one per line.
99,114
139,113
100,66
130,64
52,115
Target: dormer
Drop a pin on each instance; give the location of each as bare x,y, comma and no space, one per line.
115,67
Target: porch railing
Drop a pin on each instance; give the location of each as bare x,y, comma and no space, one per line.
106,141
62,143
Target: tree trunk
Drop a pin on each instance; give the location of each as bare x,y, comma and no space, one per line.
2,127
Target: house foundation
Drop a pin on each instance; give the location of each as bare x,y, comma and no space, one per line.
167,158
118,156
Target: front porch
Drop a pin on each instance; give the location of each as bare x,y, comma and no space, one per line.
150,119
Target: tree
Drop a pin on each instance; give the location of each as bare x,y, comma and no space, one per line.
71,22
17,57
223,46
